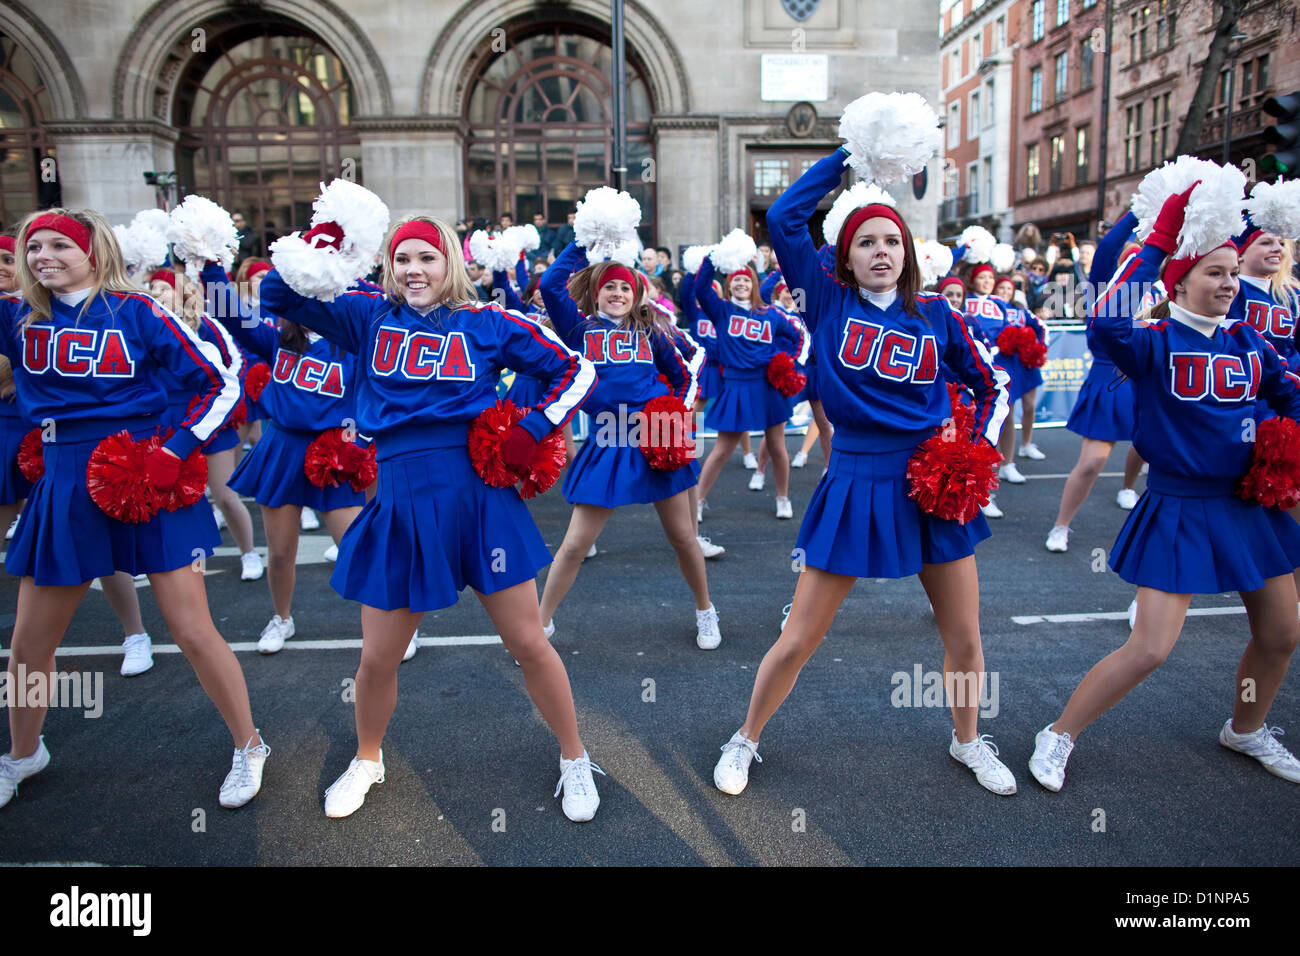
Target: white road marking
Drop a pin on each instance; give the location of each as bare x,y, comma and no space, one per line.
342,644
1104,474
1114,616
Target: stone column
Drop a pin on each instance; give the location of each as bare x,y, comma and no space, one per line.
415,164
101,164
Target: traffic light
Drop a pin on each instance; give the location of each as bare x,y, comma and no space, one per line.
1284,137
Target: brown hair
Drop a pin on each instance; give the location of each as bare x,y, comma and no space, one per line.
1155,313
585,284
188,302
909,280
109,271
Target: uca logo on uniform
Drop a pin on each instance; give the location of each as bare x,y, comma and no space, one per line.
800,9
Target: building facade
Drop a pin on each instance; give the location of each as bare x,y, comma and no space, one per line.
460,109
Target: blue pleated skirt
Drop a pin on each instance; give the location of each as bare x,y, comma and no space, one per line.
860,521
525,391
1195,536
747,405
272,474
615,475
13,486
65,539
1022,379
710,381
434,529
1103,411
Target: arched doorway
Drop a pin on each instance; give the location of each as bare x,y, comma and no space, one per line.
24,106
264,117
541,127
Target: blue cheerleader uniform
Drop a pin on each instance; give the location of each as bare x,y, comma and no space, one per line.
703,332
308,394
1256,305
608,470
434,527
882,389
994,315
90,374
14,487
1190,533
179,394
747,341
525,390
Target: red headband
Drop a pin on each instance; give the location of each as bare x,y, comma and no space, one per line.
859,216
1253,233
1001,279
256,269
164,275
7,244
64,226
1176,270
951,280
416,229
778,289
742,271
984,267
616,272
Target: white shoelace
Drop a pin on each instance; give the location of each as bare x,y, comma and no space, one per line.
985,749
350,776
241,765
1060,749
579,781
1272,746
735,746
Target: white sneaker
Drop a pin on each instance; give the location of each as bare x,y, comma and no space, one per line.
348,792
707,635
14,771
139,655
1051,751
279,630
308,520
1058,539
331,553
245,777
13,526
991,510
732,772
1264,746
1031,452
591,552
709,549
981,755
412,647
579,786
785,615
702,507
757,480
548,630
799,460
783,508
219,518
751,461
252,567
1126,498
1011,474
1133,614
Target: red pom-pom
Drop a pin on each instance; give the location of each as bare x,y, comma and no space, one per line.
116,479
963,412
1274,476
785,378
951,475
31,456
488,431
667,433
256,379
1020,341
332,459
192,482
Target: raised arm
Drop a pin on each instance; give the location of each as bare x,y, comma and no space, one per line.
1105,259
787,224
1131,347
560,307
710,303
342,321
244,325
509,298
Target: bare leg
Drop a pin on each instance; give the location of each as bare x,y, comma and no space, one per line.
1132,467
220,467
817,598
280,525
954,589
722,449
338,520
1007,440
1159,621
119,589
43,617
824,429
693,496
384,639
1092,459
744,443
584,528
775,442
678,520
1274,633
764,454
1028,410
809,438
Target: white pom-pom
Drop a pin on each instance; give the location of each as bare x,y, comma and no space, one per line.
935,260
524,238
604,220
626,252
155,219
201,231
855,197
1214,210
1002,258
310,271
361,215
889,136
493,253
979,243
736,251
693,257
1275,208
143,247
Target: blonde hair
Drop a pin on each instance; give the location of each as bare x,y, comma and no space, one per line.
1283,283
187,300
1154,313
109,271
585,285
456,289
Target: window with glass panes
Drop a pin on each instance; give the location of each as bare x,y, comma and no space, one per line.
1036,17
973,115
1035,89
1031,170
1132,137
1061,77
1056,160
988,102
1081,146
24,107
1160,127
1062,12
1085,64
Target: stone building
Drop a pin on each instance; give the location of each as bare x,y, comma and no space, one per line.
455,107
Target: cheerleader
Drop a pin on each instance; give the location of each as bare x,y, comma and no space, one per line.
1194,377
308,395
1004,290
603,309
428,360
1103,411
248,280
179,295
748,338
107,378
881,341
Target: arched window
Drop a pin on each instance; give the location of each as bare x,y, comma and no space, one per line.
541,128
24,103
264,117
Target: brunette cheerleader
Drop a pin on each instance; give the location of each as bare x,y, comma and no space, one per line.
1193,376
90,353
428,361
881,342
603,309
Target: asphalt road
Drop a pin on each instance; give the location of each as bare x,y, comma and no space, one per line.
847,777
